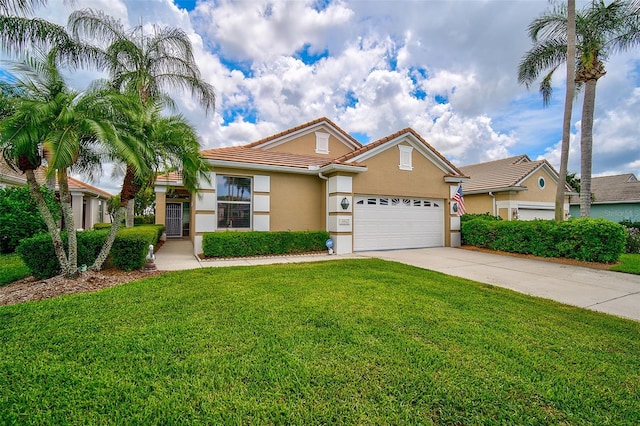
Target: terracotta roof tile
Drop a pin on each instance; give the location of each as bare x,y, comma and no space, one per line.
74,184
247,154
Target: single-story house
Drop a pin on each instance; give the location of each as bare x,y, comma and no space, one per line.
89,203
389,194
513,188
616,198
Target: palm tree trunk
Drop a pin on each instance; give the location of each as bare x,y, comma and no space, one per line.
568,107
129,191
69,223
586,146
106,247
54,231
129,222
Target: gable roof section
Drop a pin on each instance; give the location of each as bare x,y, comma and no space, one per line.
623,188
405,135
322,123
506,174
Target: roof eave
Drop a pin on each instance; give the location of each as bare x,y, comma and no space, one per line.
487,190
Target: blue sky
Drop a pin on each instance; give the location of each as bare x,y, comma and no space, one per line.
447,69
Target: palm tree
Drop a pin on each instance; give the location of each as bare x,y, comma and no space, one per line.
168,144
50,122
148,65
601,30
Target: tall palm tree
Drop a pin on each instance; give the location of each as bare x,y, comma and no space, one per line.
146,64
601,30
50,122
570,90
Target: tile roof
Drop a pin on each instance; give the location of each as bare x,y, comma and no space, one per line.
499,174
616,188
18,178
251,155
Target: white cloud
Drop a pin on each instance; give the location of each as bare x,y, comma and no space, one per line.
382,64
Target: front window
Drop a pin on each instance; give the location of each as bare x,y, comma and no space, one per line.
234,202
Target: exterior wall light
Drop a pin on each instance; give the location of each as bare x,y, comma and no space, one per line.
344,203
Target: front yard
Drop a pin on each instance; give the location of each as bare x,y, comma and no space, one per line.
341,342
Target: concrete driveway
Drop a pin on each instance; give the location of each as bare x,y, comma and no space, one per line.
605,291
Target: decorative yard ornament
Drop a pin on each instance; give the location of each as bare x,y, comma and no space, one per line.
329,245
150,264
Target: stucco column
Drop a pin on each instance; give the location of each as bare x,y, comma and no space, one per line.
161,204
77,209
340,209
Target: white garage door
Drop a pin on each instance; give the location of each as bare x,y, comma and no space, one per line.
532,214
382,223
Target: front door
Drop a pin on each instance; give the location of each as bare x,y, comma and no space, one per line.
174,220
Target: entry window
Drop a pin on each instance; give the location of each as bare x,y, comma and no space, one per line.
234,202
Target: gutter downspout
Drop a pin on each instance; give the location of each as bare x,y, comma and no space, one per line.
326,201
492,195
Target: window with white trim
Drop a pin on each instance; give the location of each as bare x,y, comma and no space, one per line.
405,157
322,143
234,202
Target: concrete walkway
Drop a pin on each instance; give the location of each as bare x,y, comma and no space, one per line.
611,292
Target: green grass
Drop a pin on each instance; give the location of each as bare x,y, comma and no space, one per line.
629,263
12,268
341,342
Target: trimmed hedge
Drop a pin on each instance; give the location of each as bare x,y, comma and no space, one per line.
130,248
101,225
38,254
238,244
128,252
592,240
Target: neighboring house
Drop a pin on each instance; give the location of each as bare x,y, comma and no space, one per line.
616,198
389,194
89,203
513,188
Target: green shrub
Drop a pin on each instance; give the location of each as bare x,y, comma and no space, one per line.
38,254
130,248
148,219
101,225
238,244
473,216
594,240
128,252
19,216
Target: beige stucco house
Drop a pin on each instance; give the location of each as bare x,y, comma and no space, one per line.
513,188
389,194
89,203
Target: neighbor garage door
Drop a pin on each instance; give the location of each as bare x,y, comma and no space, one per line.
532,214
381,223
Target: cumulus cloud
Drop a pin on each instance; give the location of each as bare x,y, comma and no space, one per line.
447,69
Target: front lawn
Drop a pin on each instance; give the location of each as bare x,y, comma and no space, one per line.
629,263
341,342
12,268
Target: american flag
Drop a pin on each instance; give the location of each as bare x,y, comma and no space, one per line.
457,197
